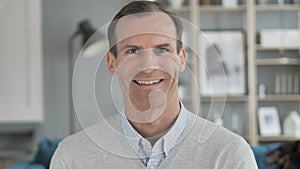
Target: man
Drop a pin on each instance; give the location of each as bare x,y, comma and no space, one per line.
154,130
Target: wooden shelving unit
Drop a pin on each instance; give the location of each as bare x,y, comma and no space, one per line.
277,58
277,138
216,8
250,12
275,7
261,48
278,61
243,98
280,98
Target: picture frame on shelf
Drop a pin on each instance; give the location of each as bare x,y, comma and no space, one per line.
269,123
222,53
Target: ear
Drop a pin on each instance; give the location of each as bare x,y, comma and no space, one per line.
182,56
111,63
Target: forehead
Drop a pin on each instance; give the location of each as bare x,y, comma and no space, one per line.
147,41
157,23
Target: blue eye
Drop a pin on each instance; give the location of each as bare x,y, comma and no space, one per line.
161,50
132,51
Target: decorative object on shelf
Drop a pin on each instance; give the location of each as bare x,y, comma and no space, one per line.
218,119
230,3
280,2
222,54
283,83
181,92
286,83
176,3
261,91
296,83
289,83
269,124
270,38
291,124
280,38
278,83
182,88
291,38
235,122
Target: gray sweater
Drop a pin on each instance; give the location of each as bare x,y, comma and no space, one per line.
202,145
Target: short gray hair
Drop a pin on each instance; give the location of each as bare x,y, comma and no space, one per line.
136,7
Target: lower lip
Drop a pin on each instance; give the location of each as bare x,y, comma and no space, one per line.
152,86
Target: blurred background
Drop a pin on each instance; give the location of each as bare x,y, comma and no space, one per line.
258,42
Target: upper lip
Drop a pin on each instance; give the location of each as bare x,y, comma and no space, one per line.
147,79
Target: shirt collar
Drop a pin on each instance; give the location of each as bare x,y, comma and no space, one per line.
168,141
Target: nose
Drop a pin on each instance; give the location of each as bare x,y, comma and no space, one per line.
148,61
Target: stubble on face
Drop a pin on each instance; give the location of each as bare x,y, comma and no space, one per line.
148,84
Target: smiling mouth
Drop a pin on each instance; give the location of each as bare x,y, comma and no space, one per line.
147,83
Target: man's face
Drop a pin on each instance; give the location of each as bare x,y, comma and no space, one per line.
147,63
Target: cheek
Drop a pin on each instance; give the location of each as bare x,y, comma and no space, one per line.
170,83
171,65
126,71
172,73
125,66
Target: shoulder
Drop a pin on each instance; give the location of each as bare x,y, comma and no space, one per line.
86,139
98,146
228,149
208,131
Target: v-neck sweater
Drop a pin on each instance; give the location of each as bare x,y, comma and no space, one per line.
202,145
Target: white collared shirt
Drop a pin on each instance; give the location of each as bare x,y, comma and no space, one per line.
153,156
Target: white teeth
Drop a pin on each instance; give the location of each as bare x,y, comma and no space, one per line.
147,82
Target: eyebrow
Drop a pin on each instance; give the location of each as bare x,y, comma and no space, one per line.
131,46
139,47
163,45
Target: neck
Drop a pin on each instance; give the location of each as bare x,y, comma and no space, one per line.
158,127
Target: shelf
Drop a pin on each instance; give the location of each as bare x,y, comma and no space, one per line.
280,98
242,98
222,8
278,138
14,153
279,61
18,130
261,48
275,7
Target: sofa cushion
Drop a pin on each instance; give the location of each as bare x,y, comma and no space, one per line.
45,151
260,153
